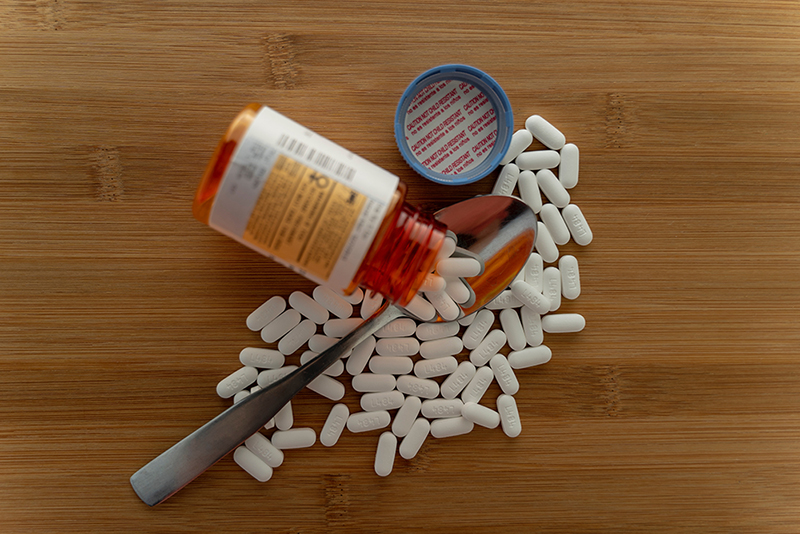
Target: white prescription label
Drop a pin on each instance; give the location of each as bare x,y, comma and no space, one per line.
450,126
302,200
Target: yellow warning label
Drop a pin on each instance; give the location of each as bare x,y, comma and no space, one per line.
303,217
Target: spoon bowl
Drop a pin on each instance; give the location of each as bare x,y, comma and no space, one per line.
498,230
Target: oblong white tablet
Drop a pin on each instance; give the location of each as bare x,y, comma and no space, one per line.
372,301
384,455
266,313
504,374
421,308
529,357
414,439
406,415
439,348
252,464
386,400
487,348
435,367
570,277
561,323
297,337
512,326
294,438
458,267
372,383
457,380
336,368
442,408
335,303
552,219
545,132
568,168
552,188
432,282
521,140
536,160
506,180
262,447
431,331
334,424
444,305
391,365
504,300
544,244
366,421
281,325
308,307
261,358
397,346
236,381
577,224
402,327
478,329
359,356
419,387
551,285
270,376
328,387
531,298
340,327
532,326
480,415
453,426
529,190
509,415
284,419
478,385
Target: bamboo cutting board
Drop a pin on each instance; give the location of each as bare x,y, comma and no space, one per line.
677,409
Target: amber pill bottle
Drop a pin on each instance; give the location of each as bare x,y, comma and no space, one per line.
315,207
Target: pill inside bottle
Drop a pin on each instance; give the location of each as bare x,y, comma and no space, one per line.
315,207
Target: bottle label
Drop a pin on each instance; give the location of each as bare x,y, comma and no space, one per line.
302,200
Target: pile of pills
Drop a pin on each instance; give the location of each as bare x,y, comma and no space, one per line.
432,376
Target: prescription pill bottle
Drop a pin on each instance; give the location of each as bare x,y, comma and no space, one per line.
315,207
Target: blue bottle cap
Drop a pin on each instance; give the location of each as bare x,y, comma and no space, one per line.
453,124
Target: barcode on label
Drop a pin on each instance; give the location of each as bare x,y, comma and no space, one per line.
319,159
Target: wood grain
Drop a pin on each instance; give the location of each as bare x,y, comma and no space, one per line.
676,410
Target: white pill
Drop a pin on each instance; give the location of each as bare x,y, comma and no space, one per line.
504,300
284,419
504,374
487,348
355,297
270,376
266,313
532,326
458,267
459,291
447,249
330,301
372,383
467,319
545,132
512,326
336,368
236,381
570,277
294,438
281,325
297,337
552,188
421,308
328,387
457,380
334,424
391,365
432,282
476,331
320,343
439,348
506,180
560,323
366,421
372,301
544,244
444,305
531,298
397,346
252,464
568,168
480,415
414,439
529,190
509,415
536,160
259,445
453,426
261,358
529,357
360,356
478,385
419,387
533,270
435,367
406,415
551,284
308,307
241,395
384,455
552,219
521,140
402,327
386,400
270,424
431,331
577,224
341,327
442,408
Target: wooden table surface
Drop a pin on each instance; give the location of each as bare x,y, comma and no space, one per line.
677,409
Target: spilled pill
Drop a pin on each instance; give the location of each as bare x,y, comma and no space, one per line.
568,168
439,348
459,291
563,323
532,326
538,159
509,415
270,376
432,282
261,358
419,387
308,307
397,346
551,284
476,387
252,464
552,188
512,327
435,367
297,337
531,298
340,327
320,343
544,244
570,277
506,180
545,132
441,408
533,270
372,383
359,356
414,439
334,424
444,305
355,297
391,365
262,447
457,380
236,381
281,325
327,387
266,313
421,308
577,224
529,357
431,331
284,419
335,369
333,302
450,427
367,421
372,301
459,267
294,438
386,400
504,374
504,300
406,415
478,329
402,327
552,219
529,190
487,348
521,140
384,455
480,415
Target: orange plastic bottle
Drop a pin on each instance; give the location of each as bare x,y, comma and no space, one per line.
315,207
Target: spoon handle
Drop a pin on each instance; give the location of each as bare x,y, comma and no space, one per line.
183,462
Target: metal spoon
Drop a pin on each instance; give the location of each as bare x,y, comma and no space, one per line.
498,229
